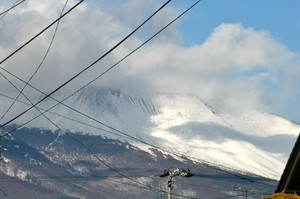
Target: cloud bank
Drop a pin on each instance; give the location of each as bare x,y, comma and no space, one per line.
236,68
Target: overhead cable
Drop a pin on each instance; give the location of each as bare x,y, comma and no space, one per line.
9,9
89,176
89,150
125,134
41,32
107,71
39,66
74,139
4,193
214,166
60,102
79,142
101,177
89,66
68,118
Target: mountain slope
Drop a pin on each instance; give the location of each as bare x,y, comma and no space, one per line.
35,168
252,142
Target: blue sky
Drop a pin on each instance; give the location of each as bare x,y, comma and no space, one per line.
280,18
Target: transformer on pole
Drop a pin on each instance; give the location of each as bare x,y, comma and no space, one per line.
172,172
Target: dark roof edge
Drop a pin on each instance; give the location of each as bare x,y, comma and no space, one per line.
289,168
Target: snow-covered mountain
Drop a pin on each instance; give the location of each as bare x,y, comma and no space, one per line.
36,167
252,141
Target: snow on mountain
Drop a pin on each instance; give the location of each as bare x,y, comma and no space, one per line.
251,142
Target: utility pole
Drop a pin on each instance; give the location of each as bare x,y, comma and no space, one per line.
1,155
172,172
170,187
242,189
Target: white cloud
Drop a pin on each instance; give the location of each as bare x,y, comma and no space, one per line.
236,67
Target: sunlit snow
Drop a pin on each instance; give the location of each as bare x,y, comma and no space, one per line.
252,141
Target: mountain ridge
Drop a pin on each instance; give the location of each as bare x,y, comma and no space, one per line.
65,169
181,123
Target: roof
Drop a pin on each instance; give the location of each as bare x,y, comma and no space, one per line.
290,179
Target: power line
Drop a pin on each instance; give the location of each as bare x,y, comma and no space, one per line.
39,66
58,165
161,149
74,139
236,176
29,101
79,142
61,102
196,175
68,118
125,176
41,32
171,152
153,176
91,177
180,155
4,193
232,177
95,177
210,187
12,7
125,134
89,66
22,153
87,148
154,36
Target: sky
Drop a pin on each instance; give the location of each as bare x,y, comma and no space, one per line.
235,55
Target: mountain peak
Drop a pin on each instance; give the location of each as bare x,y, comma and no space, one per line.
180,123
